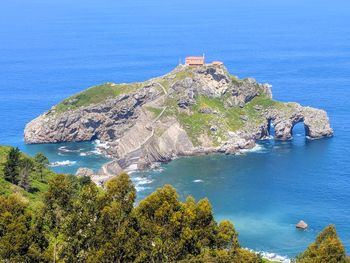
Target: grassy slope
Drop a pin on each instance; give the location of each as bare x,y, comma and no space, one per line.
39,185
95,95
99,93
195,123
226,119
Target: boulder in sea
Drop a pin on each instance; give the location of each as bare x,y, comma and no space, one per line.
301,225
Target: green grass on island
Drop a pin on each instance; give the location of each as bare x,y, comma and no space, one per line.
100,93
155,111
197,123
95,95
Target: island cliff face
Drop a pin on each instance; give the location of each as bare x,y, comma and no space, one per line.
190,111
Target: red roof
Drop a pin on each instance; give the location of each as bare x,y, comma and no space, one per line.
194,60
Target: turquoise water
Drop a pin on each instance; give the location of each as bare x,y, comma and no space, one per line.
52,49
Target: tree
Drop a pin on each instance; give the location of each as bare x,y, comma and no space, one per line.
116,234
84,180
11,168
58,205
41,162
326,249
14,229
81,224
58,200
121,189
224,256
227,236
160,219
26,168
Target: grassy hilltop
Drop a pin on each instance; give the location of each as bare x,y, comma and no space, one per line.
195,120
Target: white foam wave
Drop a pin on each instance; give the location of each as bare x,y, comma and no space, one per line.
198,181
266,138
100,144
67,150
98,148
140,183
62,163
274,257
271,256
96,151
141,188
87,153
258,148
159,169
131,168
142,180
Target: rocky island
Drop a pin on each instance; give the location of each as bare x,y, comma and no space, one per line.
189,111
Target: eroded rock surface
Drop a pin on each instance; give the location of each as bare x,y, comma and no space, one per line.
190,111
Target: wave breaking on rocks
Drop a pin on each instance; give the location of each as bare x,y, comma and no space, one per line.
187,112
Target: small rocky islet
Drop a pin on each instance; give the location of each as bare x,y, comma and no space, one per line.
189,111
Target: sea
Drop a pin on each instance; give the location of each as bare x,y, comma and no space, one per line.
52,49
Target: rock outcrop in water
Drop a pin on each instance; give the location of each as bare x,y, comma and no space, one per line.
301,225
190,111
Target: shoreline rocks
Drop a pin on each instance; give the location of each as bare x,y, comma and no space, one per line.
301,225
82,171
147,124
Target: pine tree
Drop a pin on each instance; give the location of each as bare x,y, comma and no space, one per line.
41,162
326,249
24,174
11,168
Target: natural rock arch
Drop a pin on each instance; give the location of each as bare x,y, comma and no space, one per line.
316,123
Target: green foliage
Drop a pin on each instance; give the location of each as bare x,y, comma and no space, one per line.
15,234
84,180
27,166
326,249
99,93
11,169
173,231
79,223
75,221
226,119
32,182
120,189
58,201
40,158
80,227
117,227
95,95
268,261
155,111
41,162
